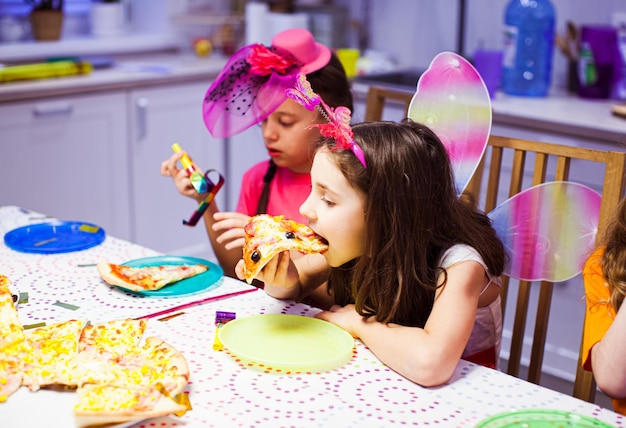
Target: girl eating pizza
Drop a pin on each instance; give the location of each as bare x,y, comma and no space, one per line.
410,269
277,186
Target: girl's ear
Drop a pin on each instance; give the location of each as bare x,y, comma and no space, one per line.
452,100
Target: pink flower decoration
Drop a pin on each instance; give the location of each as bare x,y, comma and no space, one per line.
342,116
264,61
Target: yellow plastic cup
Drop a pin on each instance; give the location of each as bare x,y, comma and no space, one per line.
348,58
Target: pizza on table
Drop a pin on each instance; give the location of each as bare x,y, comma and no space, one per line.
118,374
147,278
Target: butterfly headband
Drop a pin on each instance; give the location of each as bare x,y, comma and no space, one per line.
338,126
249,88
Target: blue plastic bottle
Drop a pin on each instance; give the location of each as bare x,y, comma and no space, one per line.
528,47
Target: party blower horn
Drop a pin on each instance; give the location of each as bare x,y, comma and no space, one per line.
202,183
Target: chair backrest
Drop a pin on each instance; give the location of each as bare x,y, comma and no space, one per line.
377,98
552,162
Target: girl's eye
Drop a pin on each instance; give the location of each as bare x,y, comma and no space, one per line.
327,202
285,124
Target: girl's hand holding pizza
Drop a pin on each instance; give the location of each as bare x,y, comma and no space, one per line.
280,271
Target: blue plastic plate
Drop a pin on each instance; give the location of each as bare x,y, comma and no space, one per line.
202,282
54,237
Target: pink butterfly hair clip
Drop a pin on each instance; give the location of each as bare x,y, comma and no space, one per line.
338,126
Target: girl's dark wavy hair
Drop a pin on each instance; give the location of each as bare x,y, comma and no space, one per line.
331,83
614,257
413,215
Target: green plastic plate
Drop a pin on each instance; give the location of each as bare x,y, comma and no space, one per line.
540,418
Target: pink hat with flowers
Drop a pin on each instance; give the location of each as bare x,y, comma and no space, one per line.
253,82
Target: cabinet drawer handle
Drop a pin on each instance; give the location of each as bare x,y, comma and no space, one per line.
53,108
142,117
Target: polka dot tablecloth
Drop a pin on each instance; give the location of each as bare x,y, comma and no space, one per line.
226,393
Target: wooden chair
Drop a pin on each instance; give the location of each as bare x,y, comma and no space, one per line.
552,162
377,98
501,154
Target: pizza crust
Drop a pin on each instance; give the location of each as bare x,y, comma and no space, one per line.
106,273
105,394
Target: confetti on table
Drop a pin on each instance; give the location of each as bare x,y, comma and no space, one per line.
66,305
36,325
23,297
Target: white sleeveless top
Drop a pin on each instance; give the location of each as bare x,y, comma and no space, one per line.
487,331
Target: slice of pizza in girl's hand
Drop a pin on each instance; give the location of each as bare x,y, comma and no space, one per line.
147,277
267,236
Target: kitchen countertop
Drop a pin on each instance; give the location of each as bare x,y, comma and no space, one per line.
560,112
564,113
125,74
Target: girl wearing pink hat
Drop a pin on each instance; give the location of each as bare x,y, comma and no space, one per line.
251,89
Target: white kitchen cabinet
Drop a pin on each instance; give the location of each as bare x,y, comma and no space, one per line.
159,117
66,157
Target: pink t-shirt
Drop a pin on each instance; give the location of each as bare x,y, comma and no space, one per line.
288,191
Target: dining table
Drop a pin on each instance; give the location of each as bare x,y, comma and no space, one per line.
222,390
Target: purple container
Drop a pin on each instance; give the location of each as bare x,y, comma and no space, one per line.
596,64
488,63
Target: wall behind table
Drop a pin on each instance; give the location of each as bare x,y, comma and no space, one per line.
414,31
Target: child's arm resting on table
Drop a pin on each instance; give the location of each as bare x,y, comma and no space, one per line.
429,355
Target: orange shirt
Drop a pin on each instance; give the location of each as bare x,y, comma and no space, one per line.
600,314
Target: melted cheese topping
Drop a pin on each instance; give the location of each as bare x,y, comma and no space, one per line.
11,331
113,336
99,398
55,348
